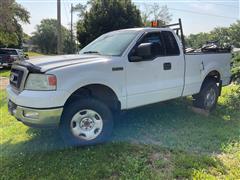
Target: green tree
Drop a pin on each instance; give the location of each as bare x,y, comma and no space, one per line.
235,34
11,14
107,15
197,40
224,35
236,67
80,9
46,37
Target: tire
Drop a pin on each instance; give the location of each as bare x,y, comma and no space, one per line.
86,122
208,96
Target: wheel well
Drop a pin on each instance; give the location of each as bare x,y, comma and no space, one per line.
215,75
212,75
98,91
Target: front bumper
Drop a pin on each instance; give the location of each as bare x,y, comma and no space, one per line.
40,118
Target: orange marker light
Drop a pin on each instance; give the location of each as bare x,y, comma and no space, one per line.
154,24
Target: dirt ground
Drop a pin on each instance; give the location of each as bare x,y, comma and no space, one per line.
3,82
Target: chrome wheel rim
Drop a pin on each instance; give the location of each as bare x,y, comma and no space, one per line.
210,98
86,124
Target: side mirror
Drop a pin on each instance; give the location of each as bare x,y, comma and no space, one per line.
142,52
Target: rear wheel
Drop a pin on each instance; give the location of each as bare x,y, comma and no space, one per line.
86,122
208,96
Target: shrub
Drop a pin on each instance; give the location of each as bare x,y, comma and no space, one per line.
236,67
233,99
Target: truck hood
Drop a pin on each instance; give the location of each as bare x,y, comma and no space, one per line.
47,63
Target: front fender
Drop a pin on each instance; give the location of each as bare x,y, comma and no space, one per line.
71,80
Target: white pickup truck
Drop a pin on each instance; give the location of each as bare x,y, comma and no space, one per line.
119,70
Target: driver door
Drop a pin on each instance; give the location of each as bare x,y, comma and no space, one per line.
155,78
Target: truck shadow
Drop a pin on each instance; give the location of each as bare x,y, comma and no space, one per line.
174,126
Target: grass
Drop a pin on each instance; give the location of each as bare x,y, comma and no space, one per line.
4,72
161,141
33,54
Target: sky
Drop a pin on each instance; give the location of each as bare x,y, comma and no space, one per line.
197,15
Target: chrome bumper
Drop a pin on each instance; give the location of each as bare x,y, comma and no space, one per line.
40,118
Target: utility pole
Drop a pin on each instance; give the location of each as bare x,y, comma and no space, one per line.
72,27
59,34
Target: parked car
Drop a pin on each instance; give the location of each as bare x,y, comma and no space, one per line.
9,55
120,70
6,60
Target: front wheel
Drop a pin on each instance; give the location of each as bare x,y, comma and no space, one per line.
86,122
208,96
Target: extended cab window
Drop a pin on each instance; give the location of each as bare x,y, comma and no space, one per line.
170,42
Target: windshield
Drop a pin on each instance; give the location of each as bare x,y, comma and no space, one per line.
111,44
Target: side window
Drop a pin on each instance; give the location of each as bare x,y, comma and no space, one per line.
155,38
170,42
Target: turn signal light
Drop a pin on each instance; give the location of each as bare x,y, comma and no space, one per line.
52,80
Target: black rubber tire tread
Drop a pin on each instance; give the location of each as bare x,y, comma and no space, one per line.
73,108
200,97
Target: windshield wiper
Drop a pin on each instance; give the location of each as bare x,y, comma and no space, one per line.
91,52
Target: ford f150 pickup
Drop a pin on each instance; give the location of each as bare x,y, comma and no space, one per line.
119,70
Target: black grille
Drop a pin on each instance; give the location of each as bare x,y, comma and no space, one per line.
11,107
16,78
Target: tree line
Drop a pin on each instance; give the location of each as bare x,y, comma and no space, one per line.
224,36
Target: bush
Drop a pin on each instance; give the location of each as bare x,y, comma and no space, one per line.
236,67
233,99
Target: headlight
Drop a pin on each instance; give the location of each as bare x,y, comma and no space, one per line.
41,82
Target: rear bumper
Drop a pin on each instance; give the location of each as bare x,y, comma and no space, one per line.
40,118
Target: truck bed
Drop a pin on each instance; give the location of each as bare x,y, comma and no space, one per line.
198,65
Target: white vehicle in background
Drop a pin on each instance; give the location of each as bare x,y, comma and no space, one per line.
120,70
